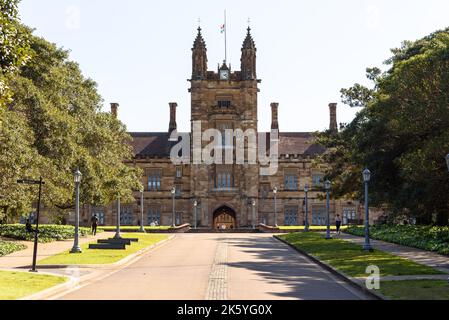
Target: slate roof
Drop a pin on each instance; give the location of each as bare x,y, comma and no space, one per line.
156,144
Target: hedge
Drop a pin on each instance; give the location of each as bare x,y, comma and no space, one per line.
428,238
47,233
7,247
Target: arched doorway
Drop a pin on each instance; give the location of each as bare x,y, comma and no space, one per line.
224,218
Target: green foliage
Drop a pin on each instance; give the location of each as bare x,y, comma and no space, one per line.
54,124
423,237
401,135
7,247
350,259
13,47
47,233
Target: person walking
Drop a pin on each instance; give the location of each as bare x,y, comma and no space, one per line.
94,224
338,224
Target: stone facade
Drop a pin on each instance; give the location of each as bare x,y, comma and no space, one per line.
235,195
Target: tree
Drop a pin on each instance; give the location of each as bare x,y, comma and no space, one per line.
401,134
62,128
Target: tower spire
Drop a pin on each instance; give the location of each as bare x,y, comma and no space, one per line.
248,59
199,57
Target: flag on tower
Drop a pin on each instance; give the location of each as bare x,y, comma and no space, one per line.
222,28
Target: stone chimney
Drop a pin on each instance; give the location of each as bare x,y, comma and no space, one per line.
274,116
172,126
114,109
333,127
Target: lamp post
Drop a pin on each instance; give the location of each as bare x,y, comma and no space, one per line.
366,179
306,191
142,229
117,230
327,186
40,182
275,191
195,206
77,178
173,192
253,204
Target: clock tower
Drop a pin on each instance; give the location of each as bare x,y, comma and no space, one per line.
223,100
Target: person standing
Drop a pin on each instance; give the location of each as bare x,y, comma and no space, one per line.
94,224
338,224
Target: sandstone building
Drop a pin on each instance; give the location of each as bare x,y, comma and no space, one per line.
235,195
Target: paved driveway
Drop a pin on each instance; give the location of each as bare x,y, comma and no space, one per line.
219,266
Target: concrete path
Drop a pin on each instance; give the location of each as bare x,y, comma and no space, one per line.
218,266
428,258
23,258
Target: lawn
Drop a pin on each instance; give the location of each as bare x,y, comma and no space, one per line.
312,228
92,256
15,285
416,289
7,247
350,259
133,228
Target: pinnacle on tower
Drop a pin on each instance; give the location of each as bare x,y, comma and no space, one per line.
248,60
199,57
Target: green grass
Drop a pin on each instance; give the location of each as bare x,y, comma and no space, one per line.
91,256
15,285
415,289
132,228
7,247
350,259
312,228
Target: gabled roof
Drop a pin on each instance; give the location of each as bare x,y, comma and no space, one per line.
157,144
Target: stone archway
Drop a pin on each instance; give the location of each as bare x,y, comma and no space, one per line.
224,218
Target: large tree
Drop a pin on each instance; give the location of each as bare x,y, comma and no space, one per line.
401,134
54,125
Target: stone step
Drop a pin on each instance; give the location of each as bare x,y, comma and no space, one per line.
105,246
115,241
224,231
130,239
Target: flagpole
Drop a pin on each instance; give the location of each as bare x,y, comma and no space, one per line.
225,30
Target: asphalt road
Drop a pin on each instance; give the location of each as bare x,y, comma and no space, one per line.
219,266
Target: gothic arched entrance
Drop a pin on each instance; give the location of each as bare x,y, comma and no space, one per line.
224,218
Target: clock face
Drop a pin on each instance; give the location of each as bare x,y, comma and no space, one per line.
224,74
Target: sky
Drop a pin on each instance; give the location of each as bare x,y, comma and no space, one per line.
139,51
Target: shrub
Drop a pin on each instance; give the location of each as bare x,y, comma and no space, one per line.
7,247
47,233
429,238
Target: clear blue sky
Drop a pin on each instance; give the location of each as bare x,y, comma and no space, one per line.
139,53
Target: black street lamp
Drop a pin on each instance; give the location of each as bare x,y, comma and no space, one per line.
275,191
195,205
306,200
253,204
77,178
173,192
117,230
142,229
327,186
366,179
36,231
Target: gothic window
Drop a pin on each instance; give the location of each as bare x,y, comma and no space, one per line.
178,172
265,190
224,104
291,182
224,178
154,216
291,216
178,190
317,179
223,126
99,212
154,180
126,216
319,217
349,215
